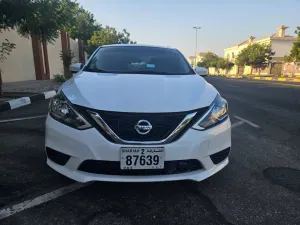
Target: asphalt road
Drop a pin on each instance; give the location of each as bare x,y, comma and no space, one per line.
261,184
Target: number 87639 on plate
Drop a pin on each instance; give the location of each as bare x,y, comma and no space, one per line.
142,158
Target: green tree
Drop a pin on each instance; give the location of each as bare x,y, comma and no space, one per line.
201,64
124,37
209,60
106,36
242,58
42,18
221,63
67,58
228,66
5,49
84,25
295,51
255,55
224,64
46,18
13,12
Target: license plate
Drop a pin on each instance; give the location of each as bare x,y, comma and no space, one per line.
142,158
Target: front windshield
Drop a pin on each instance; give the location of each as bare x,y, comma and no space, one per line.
139,60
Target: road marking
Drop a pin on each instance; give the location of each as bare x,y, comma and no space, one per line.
22,118
237,124
40,200
247,121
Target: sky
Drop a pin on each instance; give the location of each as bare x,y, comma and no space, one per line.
170,23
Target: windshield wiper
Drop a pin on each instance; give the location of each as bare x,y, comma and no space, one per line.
95,70
133,72
146,72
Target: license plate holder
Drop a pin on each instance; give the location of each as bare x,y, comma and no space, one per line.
137,158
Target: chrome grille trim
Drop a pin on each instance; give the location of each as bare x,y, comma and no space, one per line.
119,140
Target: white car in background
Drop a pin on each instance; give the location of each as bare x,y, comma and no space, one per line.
137,113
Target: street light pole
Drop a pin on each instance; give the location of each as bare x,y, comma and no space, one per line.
196,28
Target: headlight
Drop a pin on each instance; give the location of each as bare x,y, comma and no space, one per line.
217,113
62,111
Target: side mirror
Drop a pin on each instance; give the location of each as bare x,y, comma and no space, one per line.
75,67
201,71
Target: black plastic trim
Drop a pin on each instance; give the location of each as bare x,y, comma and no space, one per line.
57,157
220,156
113,168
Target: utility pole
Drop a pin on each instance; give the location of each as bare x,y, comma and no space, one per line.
196,28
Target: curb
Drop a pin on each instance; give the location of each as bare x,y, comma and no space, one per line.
276,79
282,79
19,102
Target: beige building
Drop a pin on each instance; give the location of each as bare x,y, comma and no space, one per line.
280,43
199,58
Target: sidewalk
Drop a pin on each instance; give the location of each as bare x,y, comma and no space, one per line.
19,94
31,86
14,90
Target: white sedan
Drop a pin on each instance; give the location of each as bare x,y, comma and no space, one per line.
137,113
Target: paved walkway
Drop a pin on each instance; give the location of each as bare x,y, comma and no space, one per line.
31,86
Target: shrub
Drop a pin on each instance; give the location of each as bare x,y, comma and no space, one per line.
67,58
59,78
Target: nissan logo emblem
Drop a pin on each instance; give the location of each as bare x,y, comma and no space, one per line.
143,127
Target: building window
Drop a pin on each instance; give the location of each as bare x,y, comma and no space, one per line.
228,56
232,54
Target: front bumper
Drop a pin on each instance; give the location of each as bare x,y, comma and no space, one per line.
81,145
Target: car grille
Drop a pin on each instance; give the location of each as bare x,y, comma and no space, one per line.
123,123
113,168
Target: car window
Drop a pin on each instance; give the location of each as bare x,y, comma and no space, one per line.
139,60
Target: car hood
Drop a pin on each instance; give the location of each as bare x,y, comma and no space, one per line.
139,92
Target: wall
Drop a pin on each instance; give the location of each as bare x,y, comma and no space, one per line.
247,70
74,49
213,71
282,47
19,65
264,71
54,50
291,69
55,63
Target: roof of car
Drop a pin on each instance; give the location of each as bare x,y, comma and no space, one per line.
137,45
